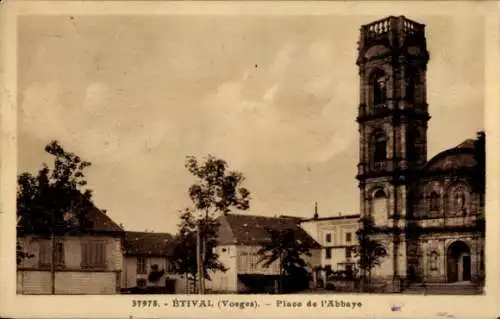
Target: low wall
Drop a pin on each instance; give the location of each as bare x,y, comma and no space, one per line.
35,282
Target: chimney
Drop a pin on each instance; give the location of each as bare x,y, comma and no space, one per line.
316,215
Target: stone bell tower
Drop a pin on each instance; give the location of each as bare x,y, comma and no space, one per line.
392,118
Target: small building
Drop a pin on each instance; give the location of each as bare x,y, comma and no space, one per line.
89,262
144,253
337,237
240,238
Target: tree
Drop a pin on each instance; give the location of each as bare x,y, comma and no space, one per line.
53,202
21,254
288,250
155,274
369,251
217,190
184,257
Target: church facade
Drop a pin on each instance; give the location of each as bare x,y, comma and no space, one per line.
428,213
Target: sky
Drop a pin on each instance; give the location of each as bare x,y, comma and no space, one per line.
274,96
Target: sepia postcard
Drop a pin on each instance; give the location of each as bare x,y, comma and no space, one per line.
250,159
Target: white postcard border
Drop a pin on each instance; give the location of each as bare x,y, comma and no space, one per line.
101,306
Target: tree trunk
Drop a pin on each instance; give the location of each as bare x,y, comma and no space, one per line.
203,254
199,265
280,286
53,258
369,280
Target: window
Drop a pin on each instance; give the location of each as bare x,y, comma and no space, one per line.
434,201
412,85
45,254
348,252
328,238
141,265
380,147
93,254
379,85
328,253
348,237
379,207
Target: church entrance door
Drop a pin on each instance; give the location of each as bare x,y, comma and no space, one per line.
458,262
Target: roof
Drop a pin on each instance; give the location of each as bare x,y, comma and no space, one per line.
464,155
102,222
96,221
340,217
148,244
253,230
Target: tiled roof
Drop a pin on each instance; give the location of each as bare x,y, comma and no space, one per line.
96,221
102,222
150,244
253,230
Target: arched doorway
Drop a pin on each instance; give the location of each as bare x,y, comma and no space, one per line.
458,262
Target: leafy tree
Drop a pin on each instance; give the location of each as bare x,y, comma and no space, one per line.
369,251
184,255
217,190
155,274
21,254
289,251
53,200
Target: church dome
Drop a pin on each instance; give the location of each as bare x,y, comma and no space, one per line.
462,156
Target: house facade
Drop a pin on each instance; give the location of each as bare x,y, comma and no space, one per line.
87,263
337,237
144,253
239,240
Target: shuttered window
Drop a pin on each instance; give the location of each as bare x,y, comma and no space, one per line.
141,265
93,254
45,253
45,256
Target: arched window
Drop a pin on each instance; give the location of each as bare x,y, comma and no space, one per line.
410,143
379,147
380,207
379,194
434,199
379,87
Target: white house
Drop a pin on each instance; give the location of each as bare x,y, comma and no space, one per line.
88,263
337,236
144,252
240,238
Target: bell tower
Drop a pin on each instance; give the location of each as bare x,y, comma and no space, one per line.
392,118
